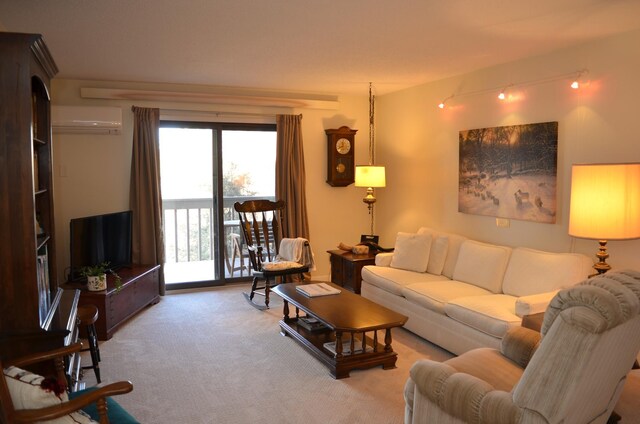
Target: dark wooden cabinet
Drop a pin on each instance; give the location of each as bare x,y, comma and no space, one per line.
140,287
32,317
346,268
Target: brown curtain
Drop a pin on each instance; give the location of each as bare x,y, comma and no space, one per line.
290,175
144,196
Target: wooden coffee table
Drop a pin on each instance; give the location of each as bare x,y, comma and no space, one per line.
350,337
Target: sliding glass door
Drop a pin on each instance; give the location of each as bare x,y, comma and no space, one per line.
205,168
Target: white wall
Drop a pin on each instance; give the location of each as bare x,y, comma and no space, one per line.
91,172
418,142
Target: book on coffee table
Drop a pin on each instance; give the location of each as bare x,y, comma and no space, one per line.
311,323
346,347
317,289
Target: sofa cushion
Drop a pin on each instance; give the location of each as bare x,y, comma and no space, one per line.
533,271
482,264
453,244
393,280
492,314
434,295
412,252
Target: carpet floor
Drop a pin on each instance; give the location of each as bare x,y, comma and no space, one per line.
207,356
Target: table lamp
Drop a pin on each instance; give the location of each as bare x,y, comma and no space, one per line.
370,176
605,205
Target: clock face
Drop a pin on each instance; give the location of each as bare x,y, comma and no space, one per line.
343,146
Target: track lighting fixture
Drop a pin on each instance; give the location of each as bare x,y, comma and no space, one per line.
502,94
576,79
442,103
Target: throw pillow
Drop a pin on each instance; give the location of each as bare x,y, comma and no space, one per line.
27,392
439,250
438,255
411,252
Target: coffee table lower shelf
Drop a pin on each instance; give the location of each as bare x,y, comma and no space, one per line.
339,366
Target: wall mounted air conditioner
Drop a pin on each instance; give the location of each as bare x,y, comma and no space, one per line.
86,120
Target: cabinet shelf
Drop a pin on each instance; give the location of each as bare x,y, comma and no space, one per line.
38,141
41,192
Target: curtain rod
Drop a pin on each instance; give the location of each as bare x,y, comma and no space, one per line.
216,114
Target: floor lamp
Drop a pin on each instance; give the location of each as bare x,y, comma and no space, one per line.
605,205
370,176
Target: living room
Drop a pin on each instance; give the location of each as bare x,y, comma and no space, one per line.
415,140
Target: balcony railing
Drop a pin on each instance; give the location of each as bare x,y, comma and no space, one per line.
189,227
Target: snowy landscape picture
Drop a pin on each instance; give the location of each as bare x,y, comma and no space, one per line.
509,172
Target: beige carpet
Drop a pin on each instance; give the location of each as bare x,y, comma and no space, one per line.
209,357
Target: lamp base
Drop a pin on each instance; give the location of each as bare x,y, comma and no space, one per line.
602,266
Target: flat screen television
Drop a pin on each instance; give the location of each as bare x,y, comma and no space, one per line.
100,238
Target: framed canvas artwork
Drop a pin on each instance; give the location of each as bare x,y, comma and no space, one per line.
509,172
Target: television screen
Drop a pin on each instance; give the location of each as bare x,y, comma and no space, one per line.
98,239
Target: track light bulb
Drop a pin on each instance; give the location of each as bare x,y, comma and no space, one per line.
501,96
441,105
575,84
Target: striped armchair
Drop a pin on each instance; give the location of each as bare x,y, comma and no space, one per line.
571,372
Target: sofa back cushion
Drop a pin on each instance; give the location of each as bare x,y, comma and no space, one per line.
482,265
534,271
411,252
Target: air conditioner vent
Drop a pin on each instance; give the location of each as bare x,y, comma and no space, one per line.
86,120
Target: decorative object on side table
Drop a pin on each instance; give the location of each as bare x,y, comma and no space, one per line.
605,205
97,277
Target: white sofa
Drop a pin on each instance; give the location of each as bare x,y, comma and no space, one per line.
462,294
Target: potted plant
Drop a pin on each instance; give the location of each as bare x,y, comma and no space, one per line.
97,277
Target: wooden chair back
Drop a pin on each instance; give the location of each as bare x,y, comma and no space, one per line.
261,222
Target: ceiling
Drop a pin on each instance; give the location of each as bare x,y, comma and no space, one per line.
313,46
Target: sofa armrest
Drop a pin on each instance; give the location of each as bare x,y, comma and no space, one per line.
534,303
519,345
384,259
461,395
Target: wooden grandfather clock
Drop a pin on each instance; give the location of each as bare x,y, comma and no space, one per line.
340,156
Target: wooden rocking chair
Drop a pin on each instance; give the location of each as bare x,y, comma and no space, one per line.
261,222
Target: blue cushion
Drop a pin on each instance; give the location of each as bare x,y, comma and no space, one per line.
115,412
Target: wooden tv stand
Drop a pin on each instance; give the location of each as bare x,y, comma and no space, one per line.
140,288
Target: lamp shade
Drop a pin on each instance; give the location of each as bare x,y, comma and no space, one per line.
370,176
605,201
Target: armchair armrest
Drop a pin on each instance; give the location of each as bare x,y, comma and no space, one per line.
95,396
534,303
35,358
384,259
463,396
56,356
519,345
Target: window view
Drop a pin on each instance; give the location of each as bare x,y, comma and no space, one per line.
203,242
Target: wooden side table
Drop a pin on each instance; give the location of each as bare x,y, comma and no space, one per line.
346,268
